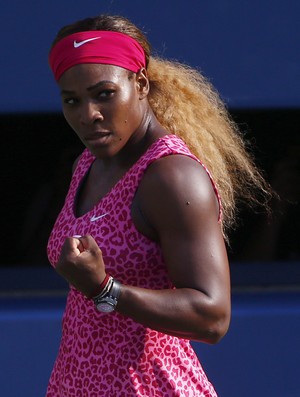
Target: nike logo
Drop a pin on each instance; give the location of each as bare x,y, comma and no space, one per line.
80,43
95,218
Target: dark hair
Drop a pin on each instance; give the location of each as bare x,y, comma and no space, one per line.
114,23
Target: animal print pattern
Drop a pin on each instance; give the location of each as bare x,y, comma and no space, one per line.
109,354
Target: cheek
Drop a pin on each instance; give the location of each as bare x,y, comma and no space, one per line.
129,107
124,117
71,122
132,114
69,117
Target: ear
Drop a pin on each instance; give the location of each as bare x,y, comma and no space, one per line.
142,82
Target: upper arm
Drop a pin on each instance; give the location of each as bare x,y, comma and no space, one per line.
177,199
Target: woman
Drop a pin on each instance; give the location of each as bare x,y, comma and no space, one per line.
140,238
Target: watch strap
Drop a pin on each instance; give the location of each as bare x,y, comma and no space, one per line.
109,295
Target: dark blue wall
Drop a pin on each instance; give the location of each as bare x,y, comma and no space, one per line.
248,49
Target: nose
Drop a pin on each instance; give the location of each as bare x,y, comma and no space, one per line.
90,113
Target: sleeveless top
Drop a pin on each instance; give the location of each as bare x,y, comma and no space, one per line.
109,354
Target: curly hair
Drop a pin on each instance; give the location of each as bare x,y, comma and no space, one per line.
186,104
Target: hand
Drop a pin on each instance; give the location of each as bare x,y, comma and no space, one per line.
81,264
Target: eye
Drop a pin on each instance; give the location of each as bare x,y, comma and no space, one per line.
70,101
105,94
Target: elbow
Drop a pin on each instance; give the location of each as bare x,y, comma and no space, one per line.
216,331
215,326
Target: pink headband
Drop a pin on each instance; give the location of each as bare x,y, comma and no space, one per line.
96,46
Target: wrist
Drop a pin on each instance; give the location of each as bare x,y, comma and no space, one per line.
107,300
98,290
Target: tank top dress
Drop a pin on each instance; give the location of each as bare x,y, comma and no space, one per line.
110,355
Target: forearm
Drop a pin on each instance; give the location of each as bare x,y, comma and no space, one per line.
184,312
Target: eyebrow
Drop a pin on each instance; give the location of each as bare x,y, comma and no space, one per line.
91,88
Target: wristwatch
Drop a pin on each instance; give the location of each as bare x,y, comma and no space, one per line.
107,301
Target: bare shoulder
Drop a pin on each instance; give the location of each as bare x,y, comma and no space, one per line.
176,192
181,180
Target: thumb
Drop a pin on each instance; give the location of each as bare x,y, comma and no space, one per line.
87,243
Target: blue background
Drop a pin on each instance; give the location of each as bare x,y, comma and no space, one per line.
248,49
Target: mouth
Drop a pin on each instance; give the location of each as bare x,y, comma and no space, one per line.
98,137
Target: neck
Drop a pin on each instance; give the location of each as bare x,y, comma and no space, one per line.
149,131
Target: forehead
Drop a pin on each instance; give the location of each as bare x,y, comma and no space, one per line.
87,75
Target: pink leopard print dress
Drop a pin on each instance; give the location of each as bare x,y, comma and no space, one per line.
109,355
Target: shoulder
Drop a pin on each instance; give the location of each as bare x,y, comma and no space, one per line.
176,191
178,175
83,160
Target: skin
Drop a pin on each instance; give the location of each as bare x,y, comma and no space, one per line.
111,115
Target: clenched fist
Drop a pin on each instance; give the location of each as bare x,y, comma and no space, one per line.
81,264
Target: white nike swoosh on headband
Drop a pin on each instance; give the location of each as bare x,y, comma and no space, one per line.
80,43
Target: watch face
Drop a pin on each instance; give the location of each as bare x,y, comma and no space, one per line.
105,307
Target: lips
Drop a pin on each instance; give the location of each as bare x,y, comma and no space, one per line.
97,137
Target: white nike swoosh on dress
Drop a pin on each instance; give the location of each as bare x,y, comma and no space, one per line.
80,43
95,218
